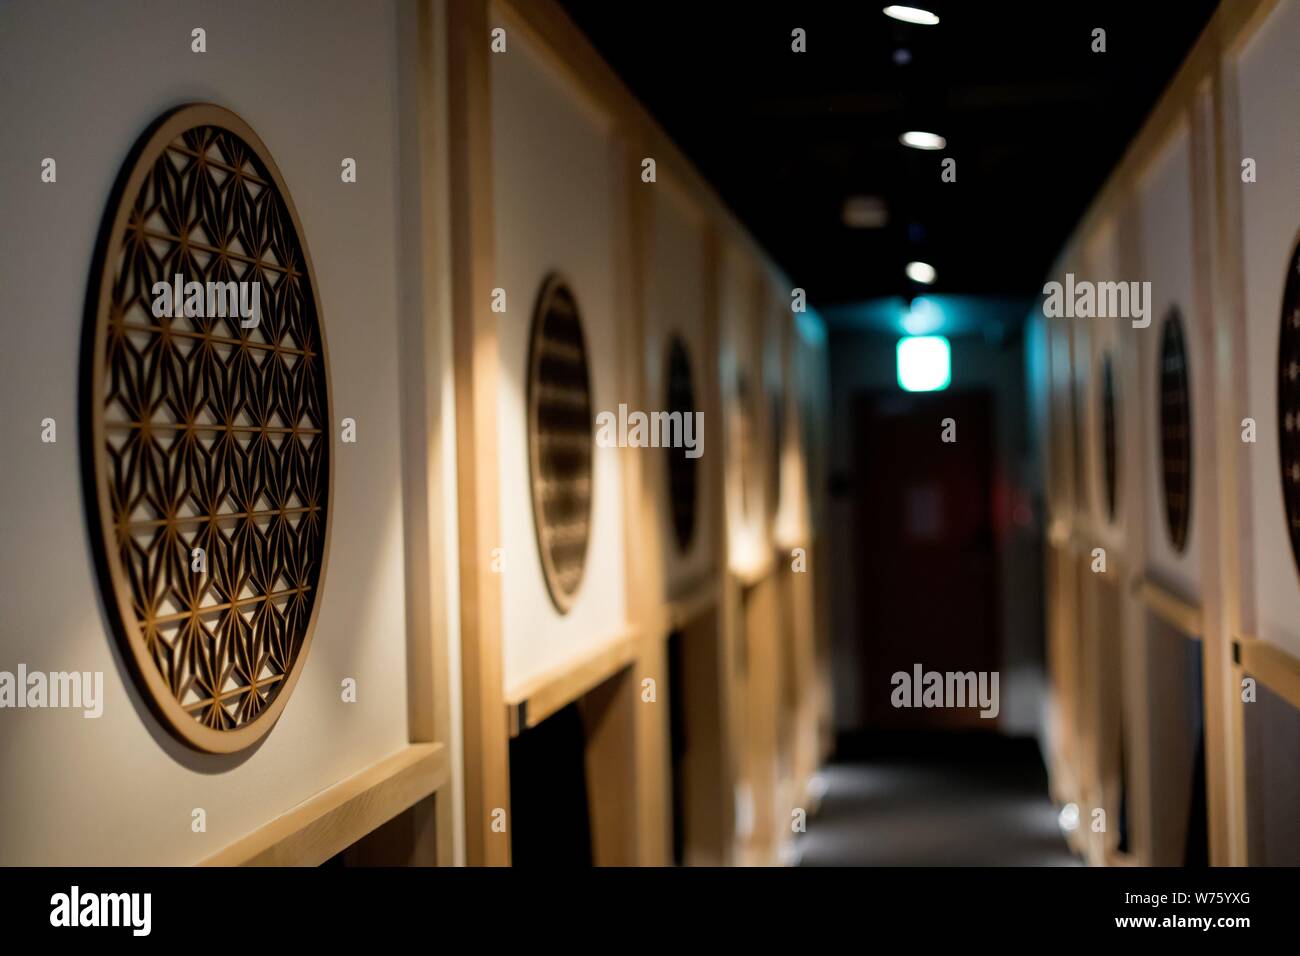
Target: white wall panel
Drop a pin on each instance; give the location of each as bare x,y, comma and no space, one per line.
676,306
1165,202
1108,337
554,194
740,359
1268,76
82,82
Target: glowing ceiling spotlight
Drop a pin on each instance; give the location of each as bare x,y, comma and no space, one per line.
921,272
911,15
919,139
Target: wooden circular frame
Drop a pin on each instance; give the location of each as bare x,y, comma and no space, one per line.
553,285
114,583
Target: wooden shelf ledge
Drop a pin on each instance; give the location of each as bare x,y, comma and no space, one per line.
533,701
699,598
1170,608
1274,667
339,816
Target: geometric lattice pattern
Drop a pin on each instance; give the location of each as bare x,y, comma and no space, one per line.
1175,430
683,471
560,440
1288,400
1109,451
211,435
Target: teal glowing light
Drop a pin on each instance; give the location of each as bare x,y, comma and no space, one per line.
924,363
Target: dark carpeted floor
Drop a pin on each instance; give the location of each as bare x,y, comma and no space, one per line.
956,799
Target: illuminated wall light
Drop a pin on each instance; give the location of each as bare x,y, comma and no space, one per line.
921,272
919,139
911,15
924,363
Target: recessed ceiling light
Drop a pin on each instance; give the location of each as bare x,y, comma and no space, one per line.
917,139
921,272
911,15
865,212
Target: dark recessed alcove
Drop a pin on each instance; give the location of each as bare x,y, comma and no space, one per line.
550,824
1272,736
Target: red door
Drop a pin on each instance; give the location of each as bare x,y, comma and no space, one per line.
928,589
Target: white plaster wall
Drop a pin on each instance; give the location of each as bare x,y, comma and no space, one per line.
79,82
776,318
554,192
1165,202
676,305
1268,86
740,352
1109,337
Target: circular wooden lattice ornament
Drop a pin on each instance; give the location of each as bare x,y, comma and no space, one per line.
207,441
1175,430
560,440
683,471
1288,401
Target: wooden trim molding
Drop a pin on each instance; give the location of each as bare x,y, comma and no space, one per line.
1170,608
534,701
338,816
475,355
1274,667
702,597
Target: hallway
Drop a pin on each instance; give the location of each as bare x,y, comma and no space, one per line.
935,800
521,434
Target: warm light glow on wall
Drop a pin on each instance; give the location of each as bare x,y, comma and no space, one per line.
924,363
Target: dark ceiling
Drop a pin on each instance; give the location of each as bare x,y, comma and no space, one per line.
1033,117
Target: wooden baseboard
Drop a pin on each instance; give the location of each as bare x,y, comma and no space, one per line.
338,816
